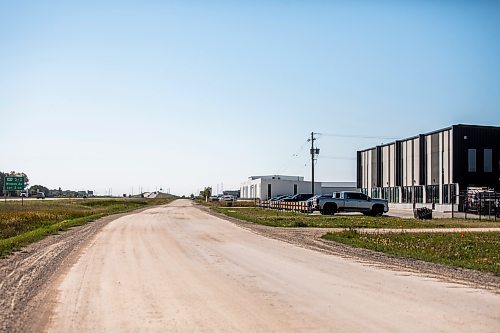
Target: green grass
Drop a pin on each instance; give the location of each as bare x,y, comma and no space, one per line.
277,218
22,225
478,251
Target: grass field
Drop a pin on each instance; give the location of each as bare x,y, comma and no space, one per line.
479,251
277,218
21,225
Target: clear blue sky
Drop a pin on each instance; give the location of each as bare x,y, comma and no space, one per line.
182,94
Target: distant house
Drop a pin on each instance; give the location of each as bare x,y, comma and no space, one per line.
55,193
69,194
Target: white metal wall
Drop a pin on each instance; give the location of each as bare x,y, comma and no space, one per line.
257,188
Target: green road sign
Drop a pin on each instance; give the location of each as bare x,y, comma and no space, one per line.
13,183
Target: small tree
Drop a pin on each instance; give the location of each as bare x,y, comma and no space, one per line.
206,193
39,189
2,176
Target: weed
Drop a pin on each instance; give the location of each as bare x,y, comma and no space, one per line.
479,251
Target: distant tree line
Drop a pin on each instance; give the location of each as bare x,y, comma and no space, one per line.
31,190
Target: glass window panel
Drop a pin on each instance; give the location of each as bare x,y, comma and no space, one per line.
488,160
472,160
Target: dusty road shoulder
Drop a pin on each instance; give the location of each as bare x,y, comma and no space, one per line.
26,275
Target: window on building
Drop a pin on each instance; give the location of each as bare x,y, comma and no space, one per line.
432,193
472,160
453,193
419,194
446,197
488,160
407,194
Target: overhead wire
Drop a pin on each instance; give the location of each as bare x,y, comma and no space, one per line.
337,157
286,164
354,136
291,157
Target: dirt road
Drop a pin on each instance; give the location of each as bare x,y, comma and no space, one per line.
178,269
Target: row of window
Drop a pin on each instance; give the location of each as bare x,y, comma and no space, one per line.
488,160
410,194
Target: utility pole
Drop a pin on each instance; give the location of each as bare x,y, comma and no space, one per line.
314,153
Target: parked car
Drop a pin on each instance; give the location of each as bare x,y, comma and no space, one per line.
284,198
312,200
299,197
226,198
351,202
40,195
278,197
23,194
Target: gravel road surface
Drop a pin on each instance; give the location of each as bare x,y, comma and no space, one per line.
177,268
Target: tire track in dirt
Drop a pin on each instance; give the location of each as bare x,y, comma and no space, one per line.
25,274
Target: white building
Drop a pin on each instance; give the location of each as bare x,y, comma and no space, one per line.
265,187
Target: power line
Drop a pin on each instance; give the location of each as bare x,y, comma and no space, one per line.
354,136
338,157
289,160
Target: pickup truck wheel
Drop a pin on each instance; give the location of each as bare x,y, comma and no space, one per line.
377,210
329,209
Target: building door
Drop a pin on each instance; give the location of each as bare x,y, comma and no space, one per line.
294,189
269,193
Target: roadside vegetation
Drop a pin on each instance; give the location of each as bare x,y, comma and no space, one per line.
478,251
21,225
277,218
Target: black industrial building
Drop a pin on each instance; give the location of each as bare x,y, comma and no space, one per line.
432,167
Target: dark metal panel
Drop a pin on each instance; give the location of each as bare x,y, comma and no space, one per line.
374,171
359,174
422,159
399,164
467,137
379,167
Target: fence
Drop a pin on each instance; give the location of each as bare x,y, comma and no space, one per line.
293,206
478,205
